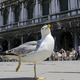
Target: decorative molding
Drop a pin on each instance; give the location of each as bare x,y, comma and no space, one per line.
39,1
8,8
3,9
25,4
20,6
34,2
21,0
13,8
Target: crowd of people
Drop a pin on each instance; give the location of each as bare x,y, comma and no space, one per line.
65,55
56,55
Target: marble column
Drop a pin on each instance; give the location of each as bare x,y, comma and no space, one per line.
73,4
13,14
58,46
13,18
25,11
10,15
69,5
50,11
57,6
22,12
36,9
53,6
25,14
78,1
1,18
75,39
21,39
9,44
40,8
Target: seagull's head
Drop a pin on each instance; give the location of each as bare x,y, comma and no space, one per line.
45,30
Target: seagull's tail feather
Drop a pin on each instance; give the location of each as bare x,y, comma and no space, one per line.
11,51
5,55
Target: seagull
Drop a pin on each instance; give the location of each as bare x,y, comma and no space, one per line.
35,51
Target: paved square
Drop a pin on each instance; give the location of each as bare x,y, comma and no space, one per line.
51,70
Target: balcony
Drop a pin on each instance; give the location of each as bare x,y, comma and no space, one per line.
2,1
44,19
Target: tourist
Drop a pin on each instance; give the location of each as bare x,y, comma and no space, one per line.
72,54
78,53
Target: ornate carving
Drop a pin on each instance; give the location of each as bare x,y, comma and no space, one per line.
20,6
40,1
25,4
13,8
3,9
34,2
21,0
8,8
50,0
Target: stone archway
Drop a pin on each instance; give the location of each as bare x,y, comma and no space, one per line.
4,44
16,42
66,40
30,38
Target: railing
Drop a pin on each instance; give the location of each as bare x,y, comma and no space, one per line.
2,1
54,17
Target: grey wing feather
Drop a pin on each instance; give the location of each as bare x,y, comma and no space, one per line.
26,48
21,50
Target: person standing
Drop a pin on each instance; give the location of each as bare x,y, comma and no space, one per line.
78,54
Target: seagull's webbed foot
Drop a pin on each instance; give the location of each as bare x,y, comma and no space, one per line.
18,64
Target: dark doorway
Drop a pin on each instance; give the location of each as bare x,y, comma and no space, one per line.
16,42
4,44
30,38
66,40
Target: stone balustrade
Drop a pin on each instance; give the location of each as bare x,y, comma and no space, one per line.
49,18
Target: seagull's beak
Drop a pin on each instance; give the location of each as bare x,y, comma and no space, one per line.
48,26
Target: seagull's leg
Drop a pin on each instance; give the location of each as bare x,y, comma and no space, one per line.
35,74
18,64
35,70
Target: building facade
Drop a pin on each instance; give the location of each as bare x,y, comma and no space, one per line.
21,21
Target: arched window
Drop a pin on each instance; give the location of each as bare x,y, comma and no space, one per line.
30,10
63,5
5,17
17,13
45,7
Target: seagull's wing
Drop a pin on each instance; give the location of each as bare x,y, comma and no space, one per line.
21,50
25,48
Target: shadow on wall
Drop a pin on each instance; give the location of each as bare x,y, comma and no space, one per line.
18,79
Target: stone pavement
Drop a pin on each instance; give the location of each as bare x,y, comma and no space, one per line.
51,70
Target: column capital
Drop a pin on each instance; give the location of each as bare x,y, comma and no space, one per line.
13,8
40,1
25,4
3,9
20,6
21,1
34,3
